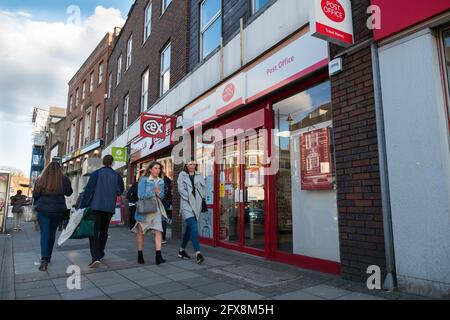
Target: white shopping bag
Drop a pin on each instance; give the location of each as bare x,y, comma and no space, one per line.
73,223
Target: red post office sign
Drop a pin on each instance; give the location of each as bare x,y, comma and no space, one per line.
331,20
153,126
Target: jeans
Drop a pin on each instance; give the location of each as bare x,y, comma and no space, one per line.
97,243
17,216
48,226
191,233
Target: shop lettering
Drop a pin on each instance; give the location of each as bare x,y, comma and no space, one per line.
280,65
333,10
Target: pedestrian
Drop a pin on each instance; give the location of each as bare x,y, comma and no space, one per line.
150,185
192,189
18,201
132,196
50,205
167,202
100,195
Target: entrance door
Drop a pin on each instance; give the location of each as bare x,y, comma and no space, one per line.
242,194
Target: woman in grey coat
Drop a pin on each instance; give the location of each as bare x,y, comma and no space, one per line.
192,189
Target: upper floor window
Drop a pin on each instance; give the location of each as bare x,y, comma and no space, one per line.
83,95
210,26
107,131
77,98
126,103
71,103
87,126
80,133
258,4
165,70
97,122
144,91
119,70
116,122
129,51
148,21
164,5
91,85
100,73
110,80
68,141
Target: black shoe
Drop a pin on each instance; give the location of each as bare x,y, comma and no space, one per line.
200,258
159,259
140,257
183,255
43,266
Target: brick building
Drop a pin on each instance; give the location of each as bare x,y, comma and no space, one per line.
84,125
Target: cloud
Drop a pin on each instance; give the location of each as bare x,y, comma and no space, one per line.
37,60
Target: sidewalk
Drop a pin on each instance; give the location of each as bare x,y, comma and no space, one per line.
225,275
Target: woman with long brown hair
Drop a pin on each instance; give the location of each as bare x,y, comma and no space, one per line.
50,205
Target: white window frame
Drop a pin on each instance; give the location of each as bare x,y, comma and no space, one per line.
165,69
71,103
68,140
116,122
126,104
97,122
80,133
129,52
87,126
77,98
110,80
119,70
83,94
144,93
148,20
164,5
101,70
106,130
91,85
73,134
207,26
254,6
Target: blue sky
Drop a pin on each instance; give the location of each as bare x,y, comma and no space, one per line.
41,48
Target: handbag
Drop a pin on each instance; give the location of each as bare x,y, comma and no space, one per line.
86,227
146,206
204,206
29,214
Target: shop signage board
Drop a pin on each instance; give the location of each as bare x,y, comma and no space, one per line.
153,126
315,159
143,147
119,154
331,20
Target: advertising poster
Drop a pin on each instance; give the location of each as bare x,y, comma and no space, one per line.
315,159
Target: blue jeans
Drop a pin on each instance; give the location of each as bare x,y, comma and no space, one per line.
48,226
191,233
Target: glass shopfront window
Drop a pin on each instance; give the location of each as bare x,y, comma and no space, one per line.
305,183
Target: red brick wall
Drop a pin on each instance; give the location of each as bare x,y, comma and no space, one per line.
357,169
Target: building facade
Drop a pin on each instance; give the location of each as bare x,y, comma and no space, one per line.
84,125
39,120
55,134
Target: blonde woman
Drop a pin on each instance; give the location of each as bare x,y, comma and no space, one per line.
150,185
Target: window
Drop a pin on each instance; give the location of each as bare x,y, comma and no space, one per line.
70,103
144,91
107,131
73,132
148,21
68,141
165,70
210,26
87,127
116,122
258,4
83,95
165,4
126,103
446,63
119,70
91,85
100,73
77,98
80,134
129,51
110,80
97,122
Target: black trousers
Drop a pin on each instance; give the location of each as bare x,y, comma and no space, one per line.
98,241
132,213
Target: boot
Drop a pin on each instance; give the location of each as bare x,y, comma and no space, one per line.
159,258
140,257
43,266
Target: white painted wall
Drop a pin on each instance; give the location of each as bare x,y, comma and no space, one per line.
418,162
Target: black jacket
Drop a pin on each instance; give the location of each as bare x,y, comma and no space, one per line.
132,194
53,204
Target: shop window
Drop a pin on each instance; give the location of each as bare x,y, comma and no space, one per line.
305,182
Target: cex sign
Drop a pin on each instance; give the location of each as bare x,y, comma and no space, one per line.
331,20
153,126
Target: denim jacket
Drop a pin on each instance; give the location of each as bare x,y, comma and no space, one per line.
146,190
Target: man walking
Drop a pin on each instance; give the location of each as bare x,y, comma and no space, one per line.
18,201
100,195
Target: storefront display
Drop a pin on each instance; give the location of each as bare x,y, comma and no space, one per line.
4,198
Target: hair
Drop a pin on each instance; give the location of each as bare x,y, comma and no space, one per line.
19,191
150,167
108,160
51,179
185,168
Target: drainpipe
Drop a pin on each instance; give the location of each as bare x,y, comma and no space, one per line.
390,282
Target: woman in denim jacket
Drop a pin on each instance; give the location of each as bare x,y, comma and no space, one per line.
150,185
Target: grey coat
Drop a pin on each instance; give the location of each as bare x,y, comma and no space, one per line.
191,206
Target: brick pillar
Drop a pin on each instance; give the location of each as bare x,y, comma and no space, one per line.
356,149
177,220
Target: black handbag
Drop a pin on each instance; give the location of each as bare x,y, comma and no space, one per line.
204,206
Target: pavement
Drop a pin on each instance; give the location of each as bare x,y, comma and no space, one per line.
225,274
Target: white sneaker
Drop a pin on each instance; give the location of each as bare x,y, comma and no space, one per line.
164,241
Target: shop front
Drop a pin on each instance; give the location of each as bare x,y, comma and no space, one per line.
264,143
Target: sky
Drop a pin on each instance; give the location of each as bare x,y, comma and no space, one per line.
42,45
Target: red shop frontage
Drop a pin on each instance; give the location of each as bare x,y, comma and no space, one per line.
269,165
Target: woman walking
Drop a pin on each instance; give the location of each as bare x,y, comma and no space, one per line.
192,189
50,205
150,185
